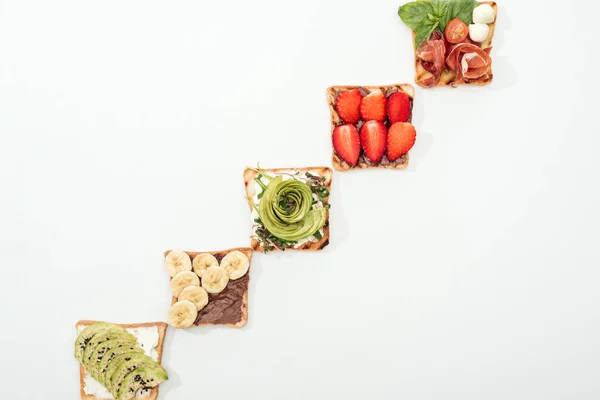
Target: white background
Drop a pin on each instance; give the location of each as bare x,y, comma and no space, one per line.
126,125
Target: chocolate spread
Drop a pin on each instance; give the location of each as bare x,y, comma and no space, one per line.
225,307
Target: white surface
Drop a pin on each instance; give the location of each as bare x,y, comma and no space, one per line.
474,274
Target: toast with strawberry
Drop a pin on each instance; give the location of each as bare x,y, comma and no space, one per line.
362,118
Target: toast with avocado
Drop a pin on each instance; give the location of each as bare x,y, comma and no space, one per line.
289,207
120,361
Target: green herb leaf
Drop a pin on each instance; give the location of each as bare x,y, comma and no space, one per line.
424,31
461,9
440,9
318,235
414,13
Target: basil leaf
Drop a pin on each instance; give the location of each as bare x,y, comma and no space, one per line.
463,10
440,8
424,31
414,13
443,9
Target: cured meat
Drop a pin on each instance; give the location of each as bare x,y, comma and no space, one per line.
432,54
469,61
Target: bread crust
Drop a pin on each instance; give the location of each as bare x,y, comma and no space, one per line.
448,79
363,162
162,330
220,254
249,176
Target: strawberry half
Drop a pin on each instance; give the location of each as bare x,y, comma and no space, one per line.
401,138
346,143
398,107
372,106
347,105
373,138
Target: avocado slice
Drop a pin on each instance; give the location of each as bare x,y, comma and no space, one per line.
102,348
124,368
86,335
294,225
115,363
108,334
111,355
142,377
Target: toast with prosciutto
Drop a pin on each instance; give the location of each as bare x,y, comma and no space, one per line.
452,41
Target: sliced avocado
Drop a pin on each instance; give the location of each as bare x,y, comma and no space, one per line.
292,225
115,363
124,368
86,335
143,377
102,348
110,356
108,334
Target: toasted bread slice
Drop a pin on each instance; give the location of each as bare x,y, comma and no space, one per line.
244,280
363,162
449,78
249,176
162,329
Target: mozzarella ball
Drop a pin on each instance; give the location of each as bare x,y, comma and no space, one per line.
483,14
479,32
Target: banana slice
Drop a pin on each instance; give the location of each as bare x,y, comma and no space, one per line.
203,261
236,264
182,314
196,295
177,261
215,279
183,279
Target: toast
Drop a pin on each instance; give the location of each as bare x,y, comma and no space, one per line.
162,329
363,162
243,318
448,77
249,176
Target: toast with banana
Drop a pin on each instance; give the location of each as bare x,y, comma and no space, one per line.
209,288
289,207
120,361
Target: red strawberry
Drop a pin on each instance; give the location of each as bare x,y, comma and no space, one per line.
372,106
401,138
346,143
398,107
373,138
347,105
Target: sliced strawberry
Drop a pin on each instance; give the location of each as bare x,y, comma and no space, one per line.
373,138
401,138
346,143
398,107
347,105
372,106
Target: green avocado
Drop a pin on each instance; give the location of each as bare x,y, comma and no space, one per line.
97,339
124,368
103,348
286,211
112,355
86,335
143,377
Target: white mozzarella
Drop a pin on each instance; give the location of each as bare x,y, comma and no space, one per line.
479,32
483,14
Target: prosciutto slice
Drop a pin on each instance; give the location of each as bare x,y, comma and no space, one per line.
432,54
469,61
